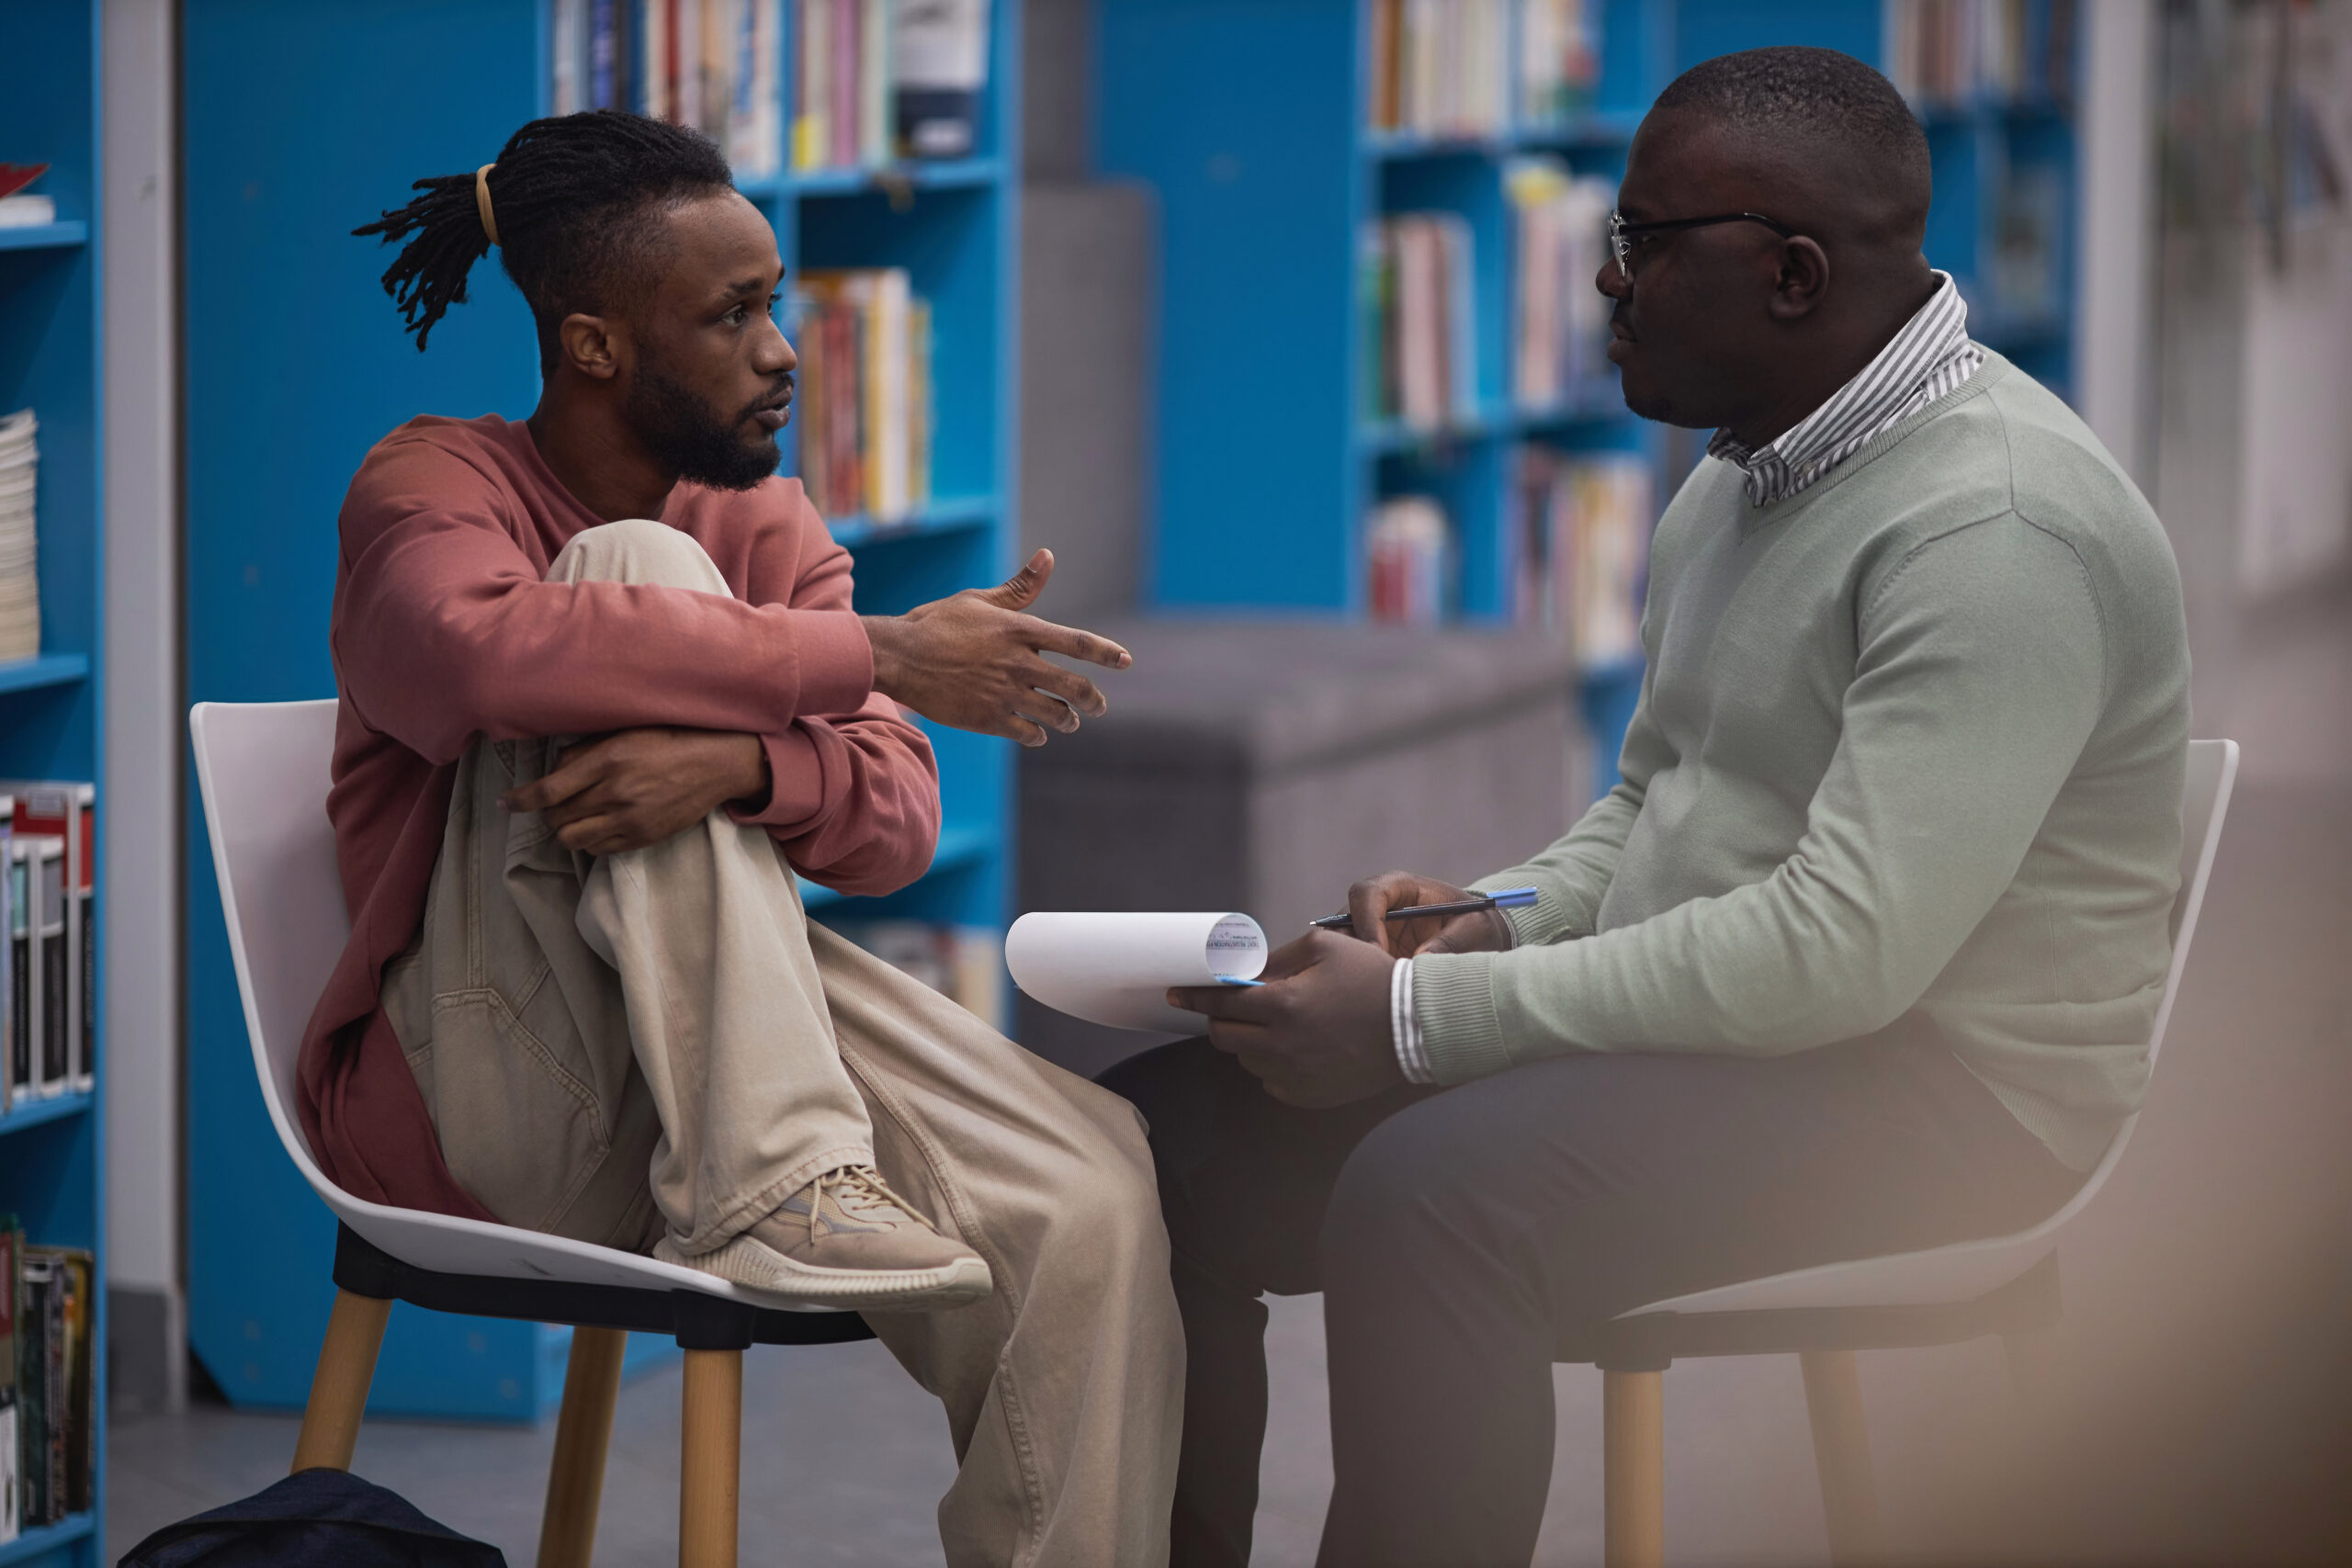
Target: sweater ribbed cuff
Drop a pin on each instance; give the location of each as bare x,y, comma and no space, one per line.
1532,925
1453,997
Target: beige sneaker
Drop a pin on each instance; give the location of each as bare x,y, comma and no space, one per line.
847,1240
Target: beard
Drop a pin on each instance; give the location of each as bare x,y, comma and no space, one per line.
683,430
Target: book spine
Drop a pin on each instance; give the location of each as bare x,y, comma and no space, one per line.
940,70
20,969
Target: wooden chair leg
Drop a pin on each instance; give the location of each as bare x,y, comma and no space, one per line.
710,1472
339,1387
1632,1469
1841,1450
582,1433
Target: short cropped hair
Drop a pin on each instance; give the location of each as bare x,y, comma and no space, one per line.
1802,94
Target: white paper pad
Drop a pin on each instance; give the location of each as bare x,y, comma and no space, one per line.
1116,968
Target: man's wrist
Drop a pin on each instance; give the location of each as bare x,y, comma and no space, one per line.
882,637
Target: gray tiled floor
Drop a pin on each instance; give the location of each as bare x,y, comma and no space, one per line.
2200,1408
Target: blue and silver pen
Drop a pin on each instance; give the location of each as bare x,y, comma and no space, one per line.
1501,898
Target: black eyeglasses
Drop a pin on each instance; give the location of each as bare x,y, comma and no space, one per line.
1622,234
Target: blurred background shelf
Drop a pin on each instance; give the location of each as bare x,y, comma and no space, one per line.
45,236
34,1112
47,670
76,1534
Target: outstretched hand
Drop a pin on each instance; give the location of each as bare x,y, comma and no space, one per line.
971,660
1316,1033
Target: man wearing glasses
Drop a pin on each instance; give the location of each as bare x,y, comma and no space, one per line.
1862,954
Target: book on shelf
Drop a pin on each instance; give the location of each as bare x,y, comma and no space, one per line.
864,410
52,1300
964,963
1946,52
713,64
20,537
21,208
65,810
1472,68
1559,321
1441,67
1420,322
1408,551
2022,273
1559,59
1577,530
877,80
40,1067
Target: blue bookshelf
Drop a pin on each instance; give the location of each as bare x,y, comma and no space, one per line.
297,367
1266,467
53,1152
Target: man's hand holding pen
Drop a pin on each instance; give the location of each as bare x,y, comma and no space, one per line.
1317,1032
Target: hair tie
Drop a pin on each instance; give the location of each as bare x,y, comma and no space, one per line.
481,200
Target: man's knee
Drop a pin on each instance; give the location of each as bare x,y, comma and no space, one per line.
1418,1193
637,550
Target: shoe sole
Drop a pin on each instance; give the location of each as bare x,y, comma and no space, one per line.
758,1266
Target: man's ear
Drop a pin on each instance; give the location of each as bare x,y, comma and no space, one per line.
592,346
1802,280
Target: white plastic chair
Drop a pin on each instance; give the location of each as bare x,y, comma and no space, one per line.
262,771
2006,1285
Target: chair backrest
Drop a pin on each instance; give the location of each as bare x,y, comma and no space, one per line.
1968,1269
263,769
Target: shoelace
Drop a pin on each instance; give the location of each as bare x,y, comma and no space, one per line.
863,1185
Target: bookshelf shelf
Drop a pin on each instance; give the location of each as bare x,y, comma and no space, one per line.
34,1112
45,237
48,670
43,1539
959,173
952,515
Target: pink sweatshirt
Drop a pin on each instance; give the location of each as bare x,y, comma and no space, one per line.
444,632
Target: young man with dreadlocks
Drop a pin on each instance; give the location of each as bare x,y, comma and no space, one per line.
602,693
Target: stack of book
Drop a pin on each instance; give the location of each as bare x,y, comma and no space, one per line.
964,963
1577,529
1559,59
49,1028
875,80
713,64
1560,320
1950,50
1420,346
1408,546
864,404
19,556
1441,67
47,1319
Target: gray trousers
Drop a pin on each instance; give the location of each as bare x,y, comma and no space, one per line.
616,1047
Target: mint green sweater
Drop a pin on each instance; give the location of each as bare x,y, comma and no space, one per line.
1912,739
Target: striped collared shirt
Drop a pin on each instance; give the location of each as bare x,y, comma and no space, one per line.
1931,357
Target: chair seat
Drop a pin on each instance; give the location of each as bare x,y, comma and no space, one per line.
1650,1341
697,1320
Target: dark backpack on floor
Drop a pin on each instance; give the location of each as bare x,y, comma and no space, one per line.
314,1517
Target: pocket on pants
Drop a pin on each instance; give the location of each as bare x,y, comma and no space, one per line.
518,1127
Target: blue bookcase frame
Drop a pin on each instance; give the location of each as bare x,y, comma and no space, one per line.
53,1152
1249,121
297,366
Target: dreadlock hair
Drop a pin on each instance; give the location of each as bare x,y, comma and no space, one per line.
577,199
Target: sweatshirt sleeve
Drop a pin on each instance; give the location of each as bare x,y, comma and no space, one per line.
855,800
446,631
1979,678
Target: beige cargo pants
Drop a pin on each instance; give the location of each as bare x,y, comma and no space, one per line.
615,1046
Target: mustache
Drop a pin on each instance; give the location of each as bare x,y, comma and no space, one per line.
775,397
